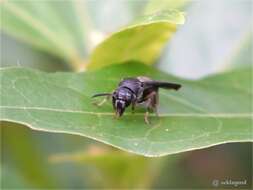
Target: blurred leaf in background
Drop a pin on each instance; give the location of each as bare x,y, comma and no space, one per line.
114,169
22,41
25,156
75,163
141,41
18,54
215,33
198,169
48,26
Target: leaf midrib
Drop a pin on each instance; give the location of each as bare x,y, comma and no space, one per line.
220,115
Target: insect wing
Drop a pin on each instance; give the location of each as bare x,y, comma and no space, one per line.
161,84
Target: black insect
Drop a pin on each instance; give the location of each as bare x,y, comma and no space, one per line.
137,91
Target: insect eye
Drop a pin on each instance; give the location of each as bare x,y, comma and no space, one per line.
128,96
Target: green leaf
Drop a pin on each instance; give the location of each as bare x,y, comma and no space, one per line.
142,41
11,179
16,53
54,27
117,169
203,113
17,153
28,156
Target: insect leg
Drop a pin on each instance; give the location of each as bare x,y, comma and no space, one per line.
151,103
148,103
108,96
101,102
146,117
134,101
154,101
133,107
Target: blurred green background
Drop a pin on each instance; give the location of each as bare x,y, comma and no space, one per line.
216,34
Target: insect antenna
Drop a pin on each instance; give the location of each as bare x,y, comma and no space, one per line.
101,94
